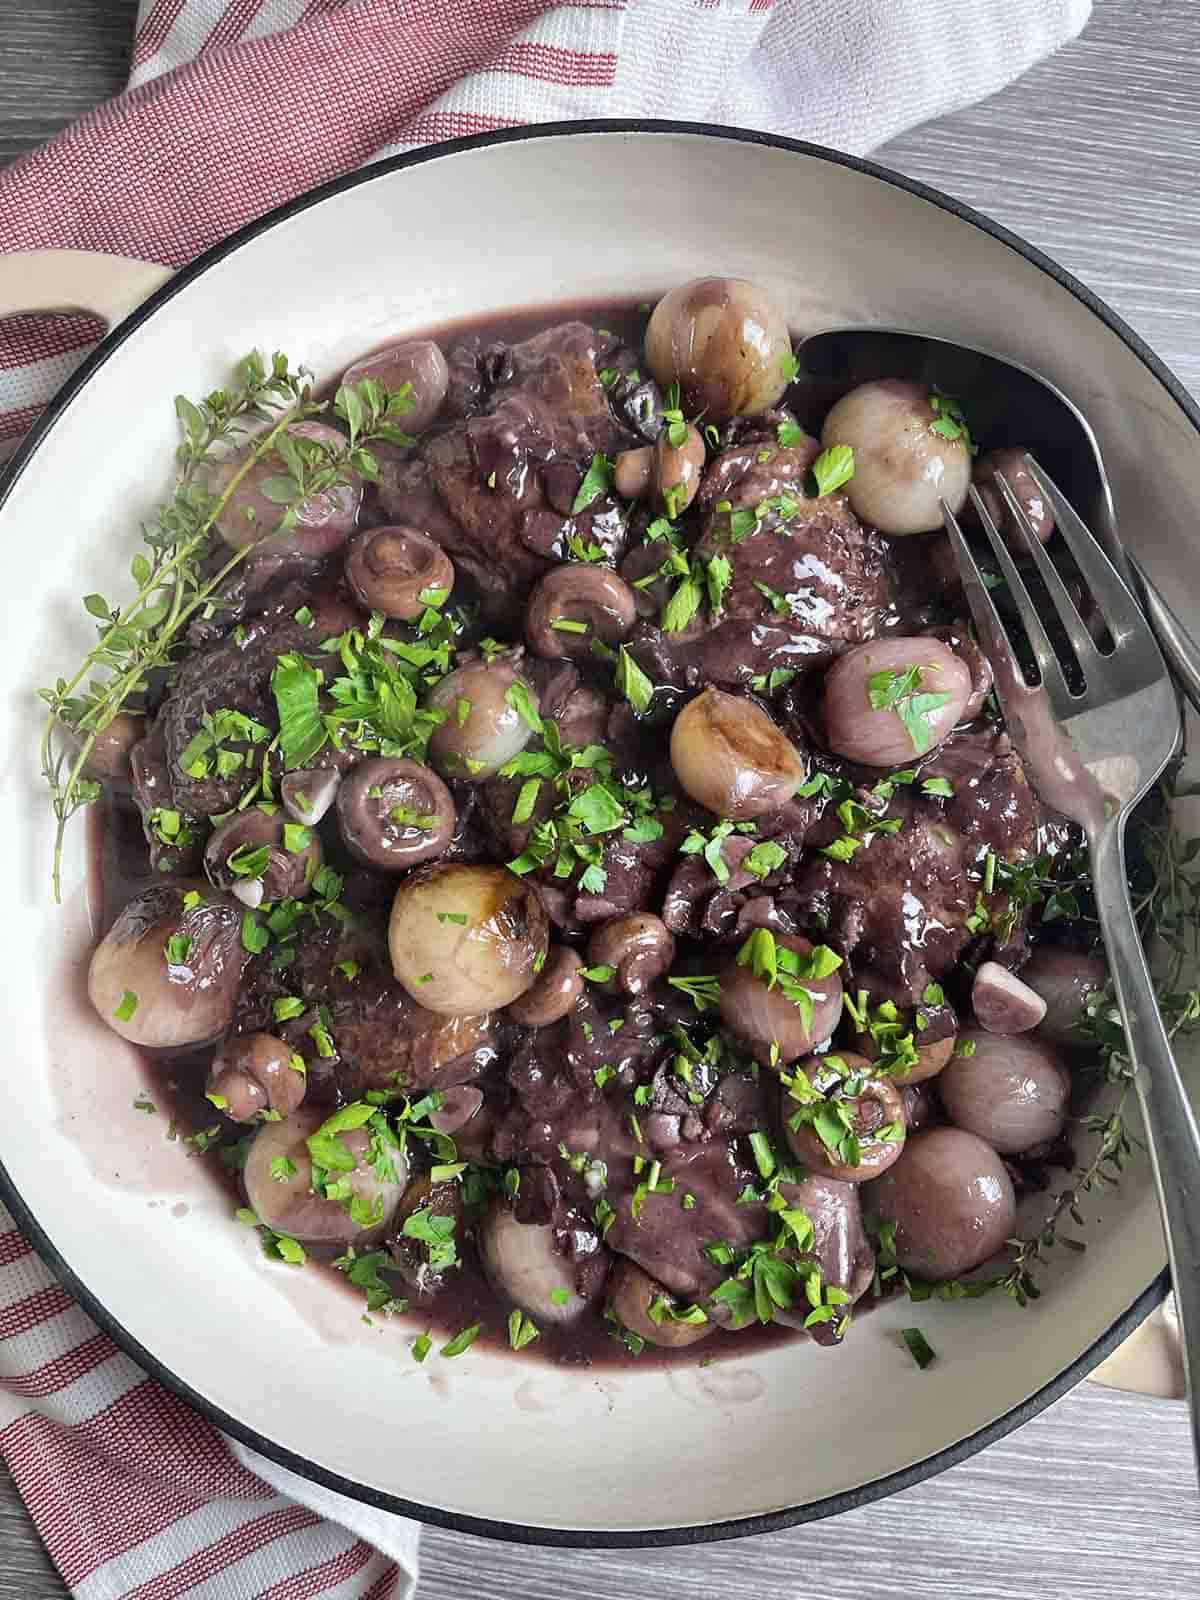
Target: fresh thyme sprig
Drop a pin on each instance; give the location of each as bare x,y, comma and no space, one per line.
141,636
1168,910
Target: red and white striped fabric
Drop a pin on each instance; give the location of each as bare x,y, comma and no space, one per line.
135,1496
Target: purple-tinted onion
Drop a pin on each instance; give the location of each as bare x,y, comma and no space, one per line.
465,940
166,974
1065,979
872,706
725,341
771,1025
484,725
904,466
731,758
524,1264
324,520
1012,1092
288,1206
951,1199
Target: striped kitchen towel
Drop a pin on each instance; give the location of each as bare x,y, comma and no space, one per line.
136,1497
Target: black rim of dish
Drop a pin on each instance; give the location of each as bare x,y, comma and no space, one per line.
515,1532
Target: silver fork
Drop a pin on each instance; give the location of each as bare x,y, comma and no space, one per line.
1093,755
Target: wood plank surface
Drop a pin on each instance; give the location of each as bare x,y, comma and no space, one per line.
1093,156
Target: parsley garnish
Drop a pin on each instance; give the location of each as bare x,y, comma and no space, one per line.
765,858
704,992
833,468
597,480
632,682
919,1347
522,1330
950,421
462,1341
683,605
890,690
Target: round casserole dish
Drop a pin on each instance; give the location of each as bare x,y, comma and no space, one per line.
495,1444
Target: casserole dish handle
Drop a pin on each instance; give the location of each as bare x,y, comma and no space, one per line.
109,287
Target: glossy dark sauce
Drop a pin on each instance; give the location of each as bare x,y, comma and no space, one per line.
120,869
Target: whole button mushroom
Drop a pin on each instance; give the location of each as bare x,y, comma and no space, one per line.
892,699
677,468
465,940
166,974
910,453
776,1028
951,1199
931,1057
324,520
417,363
632,472
262,858
856,1130
731,758
1011,1092
1010,464
491,713
643,1306
725,341
1066,981
394,813
1002,1003
398,570
639,947
574,605
254,1073
553,992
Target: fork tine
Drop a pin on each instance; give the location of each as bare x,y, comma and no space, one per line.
1082,643
995,641
1118,607
1051,670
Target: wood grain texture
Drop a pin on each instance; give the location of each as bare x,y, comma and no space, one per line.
1092,156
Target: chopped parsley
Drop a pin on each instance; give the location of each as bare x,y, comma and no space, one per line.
950,420
919,1347
632,682
777,965
833,468
597,481
710,845
765,858
522,1330
462,1341
703,991
683,605
900,692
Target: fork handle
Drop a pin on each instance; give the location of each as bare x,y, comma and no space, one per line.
1171,1127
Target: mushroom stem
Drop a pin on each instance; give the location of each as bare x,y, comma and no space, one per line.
249,891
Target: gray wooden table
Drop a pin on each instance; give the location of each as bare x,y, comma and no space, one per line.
1093,156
